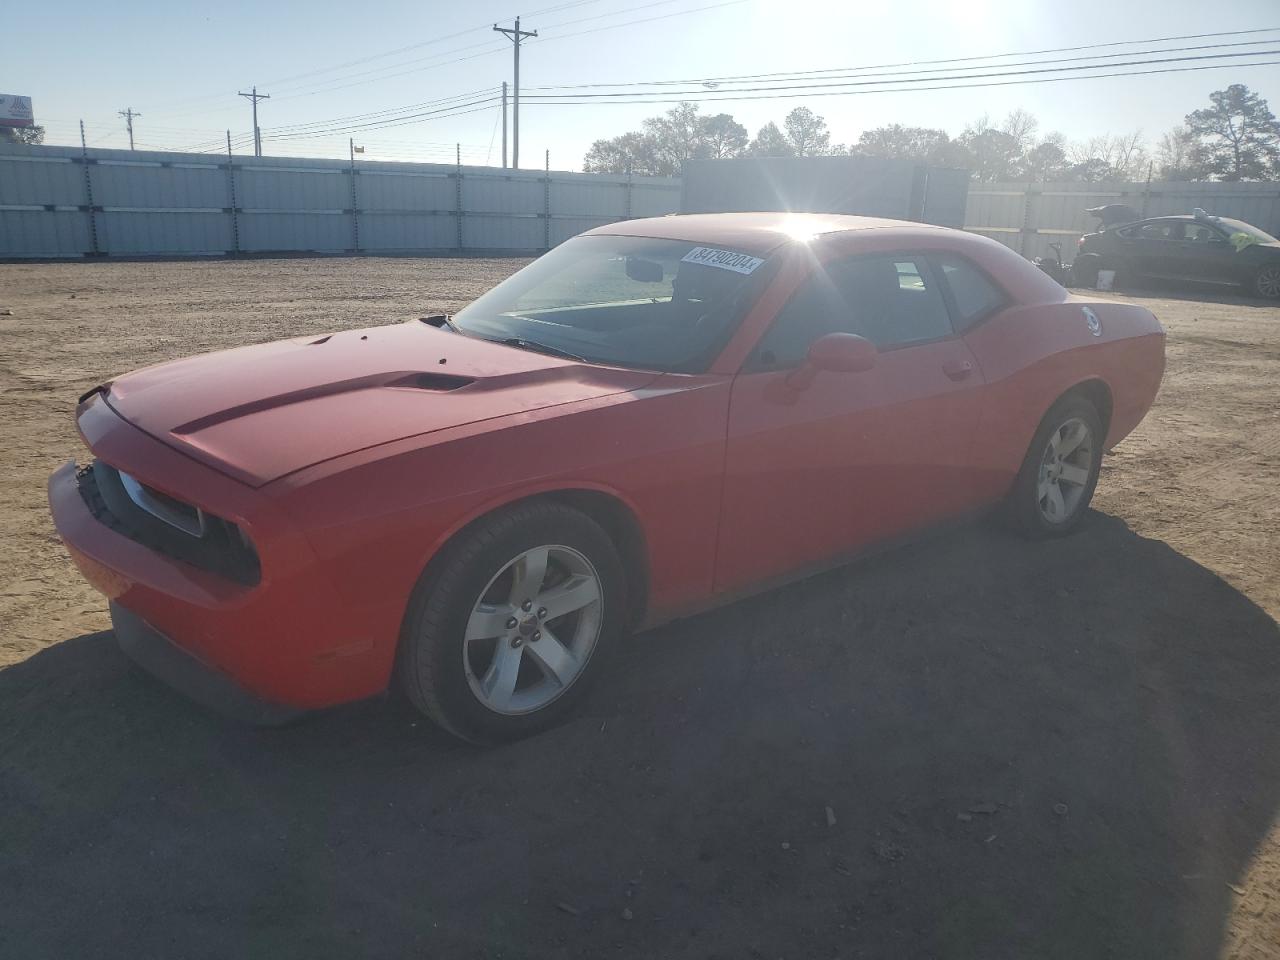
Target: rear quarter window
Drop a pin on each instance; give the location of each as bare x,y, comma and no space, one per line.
974,295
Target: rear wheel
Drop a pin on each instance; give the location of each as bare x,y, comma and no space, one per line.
504,635
1051,495
1266,283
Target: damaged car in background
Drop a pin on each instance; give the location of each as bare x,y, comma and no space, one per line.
1198,248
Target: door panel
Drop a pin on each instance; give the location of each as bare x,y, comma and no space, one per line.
1202,253
853,459
1153,249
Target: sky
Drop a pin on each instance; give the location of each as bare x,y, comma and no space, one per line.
180,66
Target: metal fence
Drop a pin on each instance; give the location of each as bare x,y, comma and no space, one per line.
68,202
1029,216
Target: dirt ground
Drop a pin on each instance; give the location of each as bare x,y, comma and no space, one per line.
976,747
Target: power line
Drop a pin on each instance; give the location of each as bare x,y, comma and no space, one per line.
441,101
922,63
422,43
397,117
351,79
460,110
1043,67
628,23
957,86
431,63
478,27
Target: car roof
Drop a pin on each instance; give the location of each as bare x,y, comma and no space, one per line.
755,232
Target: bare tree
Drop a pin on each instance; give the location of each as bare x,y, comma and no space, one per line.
1022,126
993,154
1107,157
1179,156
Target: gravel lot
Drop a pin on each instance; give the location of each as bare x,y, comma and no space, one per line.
1065,750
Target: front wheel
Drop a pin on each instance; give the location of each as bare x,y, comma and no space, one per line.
1266,283
1051,494
505,632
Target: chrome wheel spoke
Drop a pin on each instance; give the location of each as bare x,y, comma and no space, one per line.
1054,503
529,572
489,620
556,660
1072,474
499,682
1072,435
574,594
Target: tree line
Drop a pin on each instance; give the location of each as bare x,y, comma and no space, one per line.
1236,137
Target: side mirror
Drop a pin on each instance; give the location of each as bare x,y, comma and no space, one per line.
834,353
643,271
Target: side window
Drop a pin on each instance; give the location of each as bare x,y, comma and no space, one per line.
816,309
892,301
975,295
1158,230
1198,233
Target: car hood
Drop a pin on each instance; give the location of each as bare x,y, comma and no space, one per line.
258,413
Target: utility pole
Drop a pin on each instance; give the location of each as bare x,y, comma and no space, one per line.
255,96
504,124
128,115
516,36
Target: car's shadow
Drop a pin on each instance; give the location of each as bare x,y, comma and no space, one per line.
976,747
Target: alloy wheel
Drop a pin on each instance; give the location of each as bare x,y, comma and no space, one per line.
533,629
1065,470
1268,282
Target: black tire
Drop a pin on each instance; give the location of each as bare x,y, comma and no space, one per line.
431,662
1266,282
1023,506
1085,270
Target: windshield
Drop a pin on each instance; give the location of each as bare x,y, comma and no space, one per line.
625,301
1239,226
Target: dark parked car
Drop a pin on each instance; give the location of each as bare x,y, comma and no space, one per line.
1201,248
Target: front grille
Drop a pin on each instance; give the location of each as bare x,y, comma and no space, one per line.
159,522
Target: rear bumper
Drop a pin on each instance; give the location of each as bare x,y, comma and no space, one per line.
156,654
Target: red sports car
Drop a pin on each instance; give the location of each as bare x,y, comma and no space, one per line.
655,417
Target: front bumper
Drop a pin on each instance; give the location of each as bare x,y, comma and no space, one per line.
154,652
290,641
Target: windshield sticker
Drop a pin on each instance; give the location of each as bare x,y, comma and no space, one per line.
724,259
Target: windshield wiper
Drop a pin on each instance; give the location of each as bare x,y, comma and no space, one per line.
537,347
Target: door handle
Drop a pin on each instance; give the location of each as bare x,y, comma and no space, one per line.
957,369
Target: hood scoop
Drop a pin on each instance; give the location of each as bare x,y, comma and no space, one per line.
403,380
435,382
